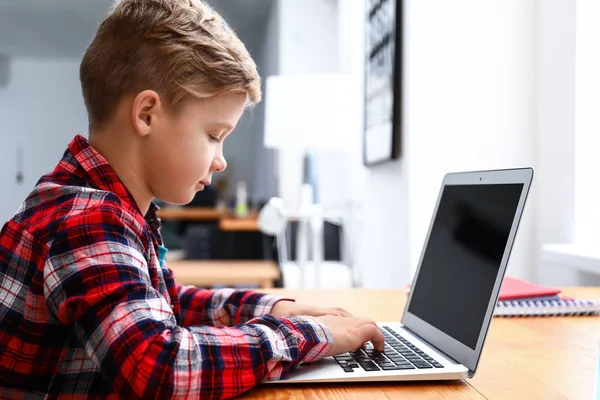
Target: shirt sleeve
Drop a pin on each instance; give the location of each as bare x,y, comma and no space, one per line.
96,279
223,307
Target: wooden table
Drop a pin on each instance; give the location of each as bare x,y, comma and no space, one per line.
244,224
525,358
227,222
231,273
192,213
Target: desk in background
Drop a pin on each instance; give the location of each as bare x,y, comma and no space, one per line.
215,234
523,358
227,222
244,224
192,213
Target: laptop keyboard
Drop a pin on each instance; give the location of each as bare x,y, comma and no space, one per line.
399,354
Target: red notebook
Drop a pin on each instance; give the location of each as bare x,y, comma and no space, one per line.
513,288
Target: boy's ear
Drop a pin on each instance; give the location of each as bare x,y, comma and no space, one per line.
145,111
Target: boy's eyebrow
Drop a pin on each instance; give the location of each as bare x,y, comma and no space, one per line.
224,124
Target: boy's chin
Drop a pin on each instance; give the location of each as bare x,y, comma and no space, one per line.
179,198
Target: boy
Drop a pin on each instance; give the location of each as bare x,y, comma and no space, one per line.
88,307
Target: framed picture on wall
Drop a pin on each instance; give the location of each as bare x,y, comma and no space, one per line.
383,81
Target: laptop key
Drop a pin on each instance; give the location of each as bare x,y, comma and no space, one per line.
372,351
369,366
398,367
423,366
419,362
372,369
380,360
347,369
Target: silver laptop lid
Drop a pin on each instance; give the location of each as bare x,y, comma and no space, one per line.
464,258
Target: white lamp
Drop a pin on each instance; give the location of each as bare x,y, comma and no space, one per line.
309,113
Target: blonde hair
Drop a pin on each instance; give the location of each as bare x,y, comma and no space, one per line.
182,49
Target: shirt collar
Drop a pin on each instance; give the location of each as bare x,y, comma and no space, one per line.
102,176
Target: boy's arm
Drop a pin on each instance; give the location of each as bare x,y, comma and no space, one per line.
97,280
222,307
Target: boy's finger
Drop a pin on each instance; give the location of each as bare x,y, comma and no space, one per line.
334,311
370,332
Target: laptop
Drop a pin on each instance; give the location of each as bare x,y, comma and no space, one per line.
454,292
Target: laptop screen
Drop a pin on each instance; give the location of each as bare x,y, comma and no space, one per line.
462,257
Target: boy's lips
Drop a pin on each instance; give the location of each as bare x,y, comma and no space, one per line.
200,185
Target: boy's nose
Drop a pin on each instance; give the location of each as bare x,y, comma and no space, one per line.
219,164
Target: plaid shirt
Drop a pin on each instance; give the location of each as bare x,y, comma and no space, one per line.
87,311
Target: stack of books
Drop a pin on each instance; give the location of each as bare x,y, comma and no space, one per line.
519,298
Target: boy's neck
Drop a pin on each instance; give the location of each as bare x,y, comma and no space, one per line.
124,157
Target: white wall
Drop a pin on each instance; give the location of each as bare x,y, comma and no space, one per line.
555,219
469,103
41,110
561,217
587,124
381,234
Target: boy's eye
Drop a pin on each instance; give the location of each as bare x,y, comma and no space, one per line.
214,139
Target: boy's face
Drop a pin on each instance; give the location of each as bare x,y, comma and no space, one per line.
183,151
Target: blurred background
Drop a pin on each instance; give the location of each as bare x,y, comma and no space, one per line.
495,84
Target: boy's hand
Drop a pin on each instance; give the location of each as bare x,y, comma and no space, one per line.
351,333
286,308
